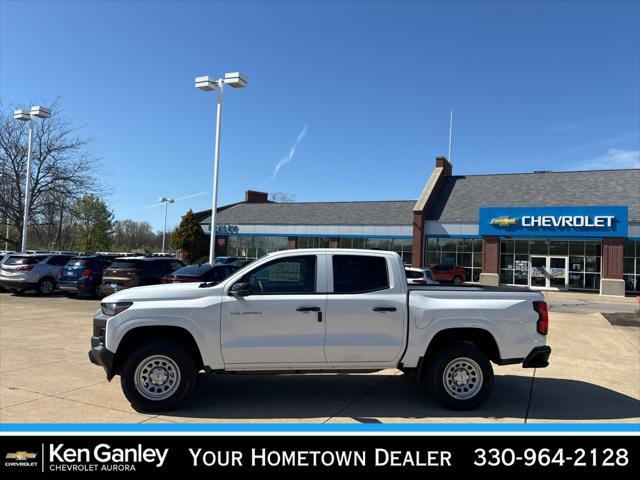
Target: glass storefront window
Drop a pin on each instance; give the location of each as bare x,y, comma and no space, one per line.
576,248
592,249
592,281
580,266
255,246
576,264
506,276
592,264
522,246
506,246
465,252
538,247
558,248
507,262
631,265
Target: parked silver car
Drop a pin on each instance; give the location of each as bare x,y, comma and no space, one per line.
37,272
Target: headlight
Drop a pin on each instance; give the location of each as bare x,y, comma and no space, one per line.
112,309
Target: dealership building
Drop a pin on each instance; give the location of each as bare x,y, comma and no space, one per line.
549,230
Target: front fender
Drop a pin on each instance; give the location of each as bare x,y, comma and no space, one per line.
205,334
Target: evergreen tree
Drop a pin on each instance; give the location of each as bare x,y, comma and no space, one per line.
94,224
189,238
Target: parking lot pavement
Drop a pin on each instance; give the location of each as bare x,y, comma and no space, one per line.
45,376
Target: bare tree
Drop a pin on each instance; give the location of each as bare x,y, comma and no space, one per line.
63,170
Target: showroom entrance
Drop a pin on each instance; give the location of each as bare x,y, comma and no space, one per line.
549,272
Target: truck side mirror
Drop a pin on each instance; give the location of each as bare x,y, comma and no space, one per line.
240,289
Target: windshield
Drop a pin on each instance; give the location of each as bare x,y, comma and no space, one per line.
193,270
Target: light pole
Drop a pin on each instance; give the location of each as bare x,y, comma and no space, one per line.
24,116
166,202
207,84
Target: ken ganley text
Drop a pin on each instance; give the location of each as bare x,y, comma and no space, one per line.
262,457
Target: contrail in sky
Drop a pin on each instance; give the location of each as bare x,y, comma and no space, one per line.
283,161
193,195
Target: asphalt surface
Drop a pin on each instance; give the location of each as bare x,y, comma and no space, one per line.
45,376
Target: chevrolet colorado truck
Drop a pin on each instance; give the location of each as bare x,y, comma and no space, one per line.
317,310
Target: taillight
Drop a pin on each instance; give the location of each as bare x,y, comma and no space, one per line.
86,272
25,268
543,317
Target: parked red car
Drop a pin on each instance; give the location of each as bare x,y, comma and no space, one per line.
448,273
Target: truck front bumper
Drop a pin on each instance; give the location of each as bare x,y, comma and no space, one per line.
537,358
99,355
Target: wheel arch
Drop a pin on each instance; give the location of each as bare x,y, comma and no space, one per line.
141,334
480,337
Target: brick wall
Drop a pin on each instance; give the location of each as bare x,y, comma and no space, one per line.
221,246
334,243
417,249
612,258
490,254
293,243
251,196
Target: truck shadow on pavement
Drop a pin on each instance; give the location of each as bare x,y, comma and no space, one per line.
388,398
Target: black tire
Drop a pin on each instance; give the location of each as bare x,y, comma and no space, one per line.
444,358
457,280
46,287
175,352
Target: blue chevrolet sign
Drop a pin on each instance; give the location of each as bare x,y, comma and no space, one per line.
598,221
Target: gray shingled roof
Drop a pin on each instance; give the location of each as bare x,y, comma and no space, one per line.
460,197
318,213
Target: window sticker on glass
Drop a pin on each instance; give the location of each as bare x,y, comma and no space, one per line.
285,272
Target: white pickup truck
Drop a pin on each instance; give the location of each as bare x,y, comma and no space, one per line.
317,310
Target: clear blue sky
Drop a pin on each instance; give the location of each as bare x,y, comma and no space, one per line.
538,85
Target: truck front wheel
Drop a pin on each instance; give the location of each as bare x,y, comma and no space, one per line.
157,376
459,376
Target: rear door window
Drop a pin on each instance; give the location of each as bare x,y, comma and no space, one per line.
359,274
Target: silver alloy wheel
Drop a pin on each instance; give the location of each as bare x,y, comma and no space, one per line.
46,287
462,378
157,377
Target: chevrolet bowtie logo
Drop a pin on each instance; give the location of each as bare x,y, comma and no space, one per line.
504,221
21,456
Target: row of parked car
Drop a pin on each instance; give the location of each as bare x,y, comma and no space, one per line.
99,275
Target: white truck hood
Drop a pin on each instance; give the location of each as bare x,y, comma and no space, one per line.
173,291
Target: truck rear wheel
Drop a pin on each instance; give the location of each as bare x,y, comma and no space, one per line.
459,376
157,376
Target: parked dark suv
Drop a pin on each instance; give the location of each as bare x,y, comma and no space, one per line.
83,275
127,272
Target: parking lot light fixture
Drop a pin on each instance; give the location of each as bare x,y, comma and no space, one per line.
207,84
23,115
166,202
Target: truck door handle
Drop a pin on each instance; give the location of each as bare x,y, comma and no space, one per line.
311,309
308,309
384,309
